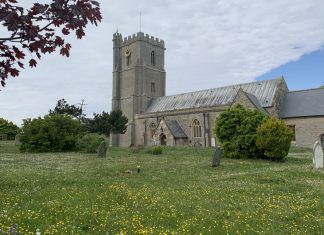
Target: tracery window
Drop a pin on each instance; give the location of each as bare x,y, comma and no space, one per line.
196,129
152,129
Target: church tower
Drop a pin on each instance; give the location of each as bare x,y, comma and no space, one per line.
138,76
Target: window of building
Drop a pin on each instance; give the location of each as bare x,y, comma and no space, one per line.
152,87
152,129
293,129
153,58
128,60
196,129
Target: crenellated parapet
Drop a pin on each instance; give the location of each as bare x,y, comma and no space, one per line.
139,37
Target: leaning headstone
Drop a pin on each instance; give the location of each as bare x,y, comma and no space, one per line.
217,157
318,155
17,139
102,149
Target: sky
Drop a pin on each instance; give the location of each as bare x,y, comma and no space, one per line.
210,43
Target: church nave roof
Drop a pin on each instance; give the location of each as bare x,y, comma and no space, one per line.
264,91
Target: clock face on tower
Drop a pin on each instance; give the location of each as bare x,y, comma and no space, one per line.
128,52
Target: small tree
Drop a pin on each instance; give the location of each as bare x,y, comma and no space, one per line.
8,128
53,133
106,123
62,107
274,138
100,123
118,122
236,130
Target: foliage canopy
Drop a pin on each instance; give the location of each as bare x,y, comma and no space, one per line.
62,107
40,30
8,128
106,123
236,130
274,138
53,133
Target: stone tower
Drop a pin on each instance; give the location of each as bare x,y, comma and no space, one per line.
138,76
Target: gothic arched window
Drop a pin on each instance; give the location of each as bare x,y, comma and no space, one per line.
196,129
153,58
152,129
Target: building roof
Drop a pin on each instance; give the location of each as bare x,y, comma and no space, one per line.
256,103
304,103
176,129
264,91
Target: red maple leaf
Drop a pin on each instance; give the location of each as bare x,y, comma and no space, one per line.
32,63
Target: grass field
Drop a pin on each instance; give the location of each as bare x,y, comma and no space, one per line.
175,193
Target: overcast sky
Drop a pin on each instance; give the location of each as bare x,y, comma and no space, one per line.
209,43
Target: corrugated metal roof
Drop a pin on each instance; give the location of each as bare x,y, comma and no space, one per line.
264,91
176,129
304,103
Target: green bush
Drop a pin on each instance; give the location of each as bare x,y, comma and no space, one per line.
156,150
53,133
236,130
8,128
89,143
274,138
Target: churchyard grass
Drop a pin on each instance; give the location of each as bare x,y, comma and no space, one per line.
177,192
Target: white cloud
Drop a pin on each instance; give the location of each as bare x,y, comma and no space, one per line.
209,43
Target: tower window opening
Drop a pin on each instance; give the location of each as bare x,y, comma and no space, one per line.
128,60
152,87
153,57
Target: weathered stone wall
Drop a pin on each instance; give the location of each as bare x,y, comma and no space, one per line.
242,99
206,118
282,90
307,130
132,83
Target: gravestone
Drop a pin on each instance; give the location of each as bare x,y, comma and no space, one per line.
213,142
217,157
318,155
197,146
17,139
102,149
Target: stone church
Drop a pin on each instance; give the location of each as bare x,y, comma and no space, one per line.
139,81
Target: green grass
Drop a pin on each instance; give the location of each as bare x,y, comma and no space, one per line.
177,192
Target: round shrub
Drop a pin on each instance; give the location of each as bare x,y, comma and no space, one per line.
274,138
236,130
89,143
156,150
53,133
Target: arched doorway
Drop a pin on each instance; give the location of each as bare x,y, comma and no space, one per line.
163,140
